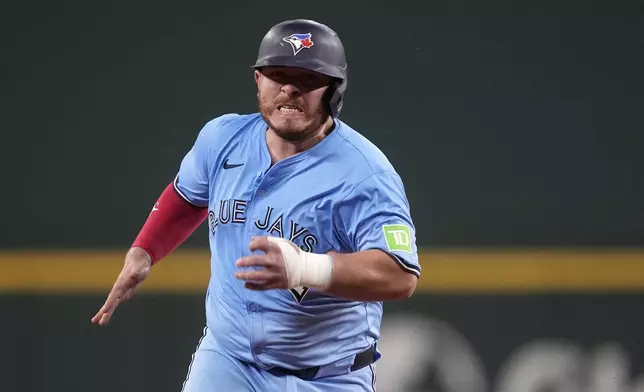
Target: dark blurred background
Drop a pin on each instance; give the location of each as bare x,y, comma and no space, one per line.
516,127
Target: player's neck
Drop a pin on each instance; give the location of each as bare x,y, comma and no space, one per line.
280,148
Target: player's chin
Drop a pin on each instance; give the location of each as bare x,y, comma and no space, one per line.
290,127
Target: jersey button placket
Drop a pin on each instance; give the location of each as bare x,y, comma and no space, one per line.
256,331
264,184
254,310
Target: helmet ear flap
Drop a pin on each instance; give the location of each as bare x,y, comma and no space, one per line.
334,95
329,97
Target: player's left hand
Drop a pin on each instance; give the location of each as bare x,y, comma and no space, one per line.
272,273
136,269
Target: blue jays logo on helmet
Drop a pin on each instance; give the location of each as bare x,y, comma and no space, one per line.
299,42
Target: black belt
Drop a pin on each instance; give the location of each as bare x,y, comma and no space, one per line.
363,359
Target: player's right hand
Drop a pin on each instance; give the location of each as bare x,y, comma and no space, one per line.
135,270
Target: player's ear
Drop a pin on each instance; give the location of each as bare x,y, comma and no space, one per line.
257,76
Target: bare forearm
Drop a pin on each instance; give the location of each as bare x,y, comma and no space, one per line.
369,276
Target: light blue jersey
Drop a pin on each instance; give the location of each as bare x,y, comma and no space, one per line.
341,195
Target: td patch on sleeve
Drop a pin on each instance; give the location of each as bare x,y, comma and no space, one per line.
398,238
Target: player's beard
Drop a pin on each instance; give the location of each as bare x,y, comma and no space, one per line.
293,130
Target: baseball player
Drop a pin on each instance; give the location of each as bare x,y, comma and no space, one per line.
309,228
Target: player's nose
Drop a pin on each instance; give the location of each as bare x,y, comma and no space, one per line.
290,89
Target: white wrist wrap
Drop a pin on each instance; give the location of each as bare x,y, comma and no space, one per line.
303,268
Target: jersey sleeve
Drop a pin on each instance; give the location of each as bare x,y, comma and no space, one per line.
376,215
192,182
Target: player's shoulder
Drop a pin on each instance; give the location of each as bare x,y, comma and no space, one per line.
366,158
228,125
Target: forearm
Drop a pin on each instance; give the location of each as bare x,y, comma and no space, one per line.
370,275
367,276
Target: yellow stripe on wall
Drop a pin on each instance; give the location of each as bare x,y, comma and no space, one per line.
444,271
533,271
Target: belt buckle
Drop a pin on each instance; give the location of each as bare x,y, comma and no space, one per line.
307,374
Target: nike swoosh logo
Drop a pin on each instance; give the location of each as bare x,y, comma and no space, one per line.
231,165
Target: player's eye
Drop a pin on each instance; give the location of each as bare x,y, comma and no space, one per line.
274,75
314,81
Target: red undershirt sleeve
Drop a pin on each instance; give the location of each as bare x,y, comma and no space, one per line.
170,223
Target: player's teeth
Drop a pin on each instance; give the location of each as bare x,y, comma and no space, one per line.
289,109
